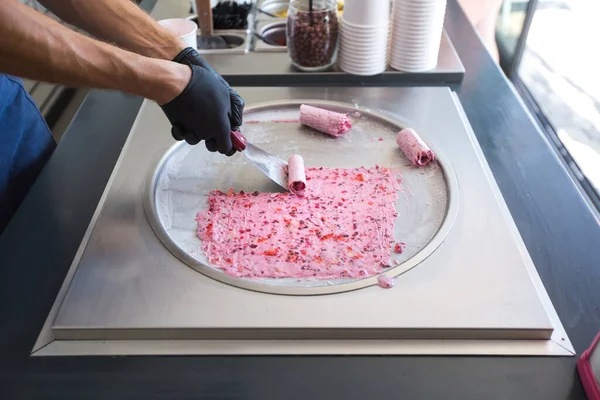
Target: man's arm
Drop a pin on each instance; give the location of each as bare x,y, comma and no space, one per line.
36,47
120,22
196,100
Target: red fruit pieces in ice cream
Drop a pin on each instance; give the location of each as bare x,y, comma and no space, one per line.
341,228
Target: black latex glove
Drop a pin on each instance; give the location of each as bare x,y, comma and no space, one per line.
202,112
191,56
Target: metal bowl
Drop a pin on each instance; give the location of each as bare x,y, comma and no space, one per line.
174,189
233,41
274,34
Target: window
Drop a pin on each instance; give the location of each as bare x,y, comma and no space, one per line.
550,50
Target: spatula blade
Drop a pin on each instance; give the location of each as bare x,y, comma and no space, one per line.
272,166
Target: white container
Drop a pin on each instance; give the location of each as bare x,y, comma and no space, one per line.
369,28
364,34
370,44
363,68
358,71
364,37
349,51
363,56
416,34
373,33
363,72
371,65
381,63
362,62
370,31
361,53
364,46
367,12
406,65
187,30
424,43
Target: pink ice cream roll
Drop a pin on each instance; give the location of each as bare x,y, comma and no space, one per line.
414,148
330,122
296,175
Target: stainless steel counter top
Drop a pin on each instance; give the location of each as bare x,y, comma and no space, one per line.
479,286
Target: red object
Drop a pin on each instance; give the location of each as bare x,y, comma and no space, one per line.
586,374
238,141
399,247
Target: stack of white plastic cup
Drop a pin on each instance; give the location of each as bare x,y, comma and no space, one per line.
416,34
364,36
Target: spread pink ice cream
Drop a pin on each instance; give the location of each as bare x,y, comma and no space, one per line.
414,148
385,281
330,122
343,227
296,175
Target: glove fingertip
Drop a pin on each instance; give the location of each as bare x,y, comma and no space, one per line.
237,108
177,133
211,145
224,144
192,139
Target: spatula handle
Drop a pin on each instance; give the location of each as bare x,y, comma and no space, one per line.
238,141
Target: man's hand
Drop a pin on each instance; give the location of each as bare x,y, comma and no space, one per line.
202,112
191,56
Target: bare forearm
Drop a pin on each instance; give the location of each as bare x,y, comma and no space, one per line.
120,22
36,47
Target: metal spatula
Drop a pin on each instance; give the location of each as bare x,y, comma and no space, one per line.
273,167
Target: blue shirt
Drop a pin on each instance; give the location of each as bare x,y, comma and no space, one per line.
25,145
